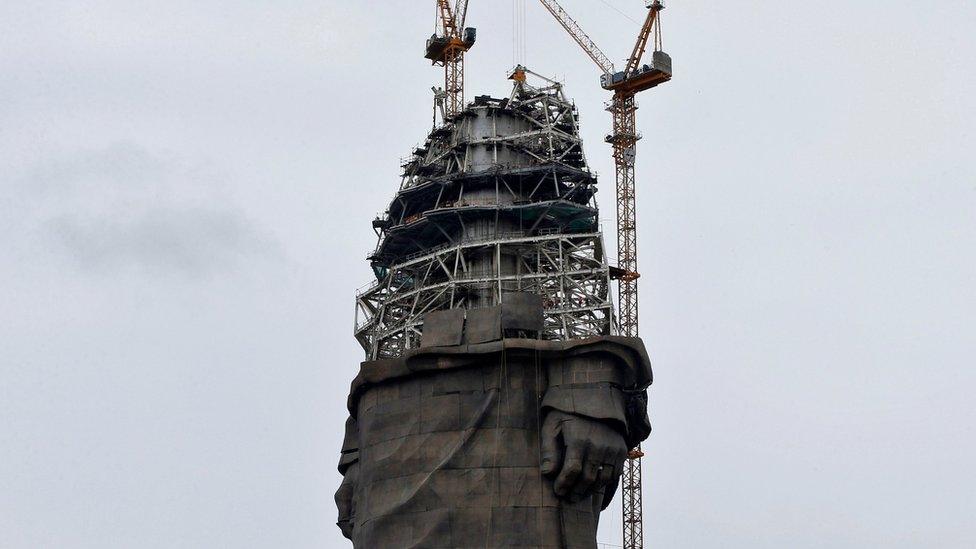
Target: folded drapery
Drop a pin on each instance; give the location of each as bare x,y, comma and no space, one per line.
509,443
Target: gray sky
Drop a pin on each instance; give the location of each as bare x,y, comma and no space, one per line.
185,197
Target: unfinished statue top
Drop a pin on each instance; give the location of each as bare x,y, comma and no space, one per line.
495,406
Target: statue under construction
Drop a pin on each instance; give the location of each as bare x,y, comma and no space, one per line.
496,406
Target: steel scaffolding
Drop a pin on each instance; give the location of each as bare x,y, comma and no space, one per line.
499,199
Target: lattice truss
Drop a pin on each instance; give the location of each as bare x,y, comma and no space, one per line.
568,270
498,199
554,136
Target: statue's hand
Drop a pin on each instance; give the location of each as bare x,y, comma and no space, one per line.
344,500
583,453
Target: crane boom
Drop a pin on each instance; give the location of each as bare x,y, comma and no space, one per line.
461,12
642,38
581,38
447,19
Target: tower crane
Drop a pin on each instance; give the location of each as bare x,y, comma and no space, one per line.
446,48
625,85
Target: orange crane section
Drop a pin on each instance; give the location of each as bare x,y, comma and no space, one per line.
625,85
446,48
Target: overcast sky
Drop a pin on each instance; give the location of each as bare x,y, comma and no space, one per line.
186,190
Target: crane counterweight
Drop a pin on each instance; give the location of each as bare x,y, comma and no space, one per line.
643,78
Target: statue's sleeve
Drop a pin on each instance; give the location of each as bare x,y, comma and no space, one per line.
345,496
603,387
350,446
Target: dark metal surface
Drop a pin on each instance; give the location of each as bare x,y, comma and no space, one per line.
522,311
443,328
474,445
483,325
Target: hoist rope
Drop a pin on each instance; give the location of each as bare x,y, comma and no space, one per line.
618,10
519,32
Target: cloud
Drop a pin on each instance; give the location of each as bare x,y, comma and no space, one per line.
123,207
189,241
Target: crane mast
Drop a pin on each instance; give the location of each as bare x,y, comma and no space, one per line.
625,85
447,49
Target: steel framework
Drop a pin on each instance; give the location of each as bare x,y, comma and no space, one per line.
498,200
568,271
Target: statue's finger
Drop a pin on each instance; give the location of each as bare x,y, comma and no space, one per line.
612,486
591,470
551,450
572,468
608,472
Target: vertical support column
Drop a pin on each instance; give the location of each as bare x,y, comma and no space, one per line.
454,80
624,140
